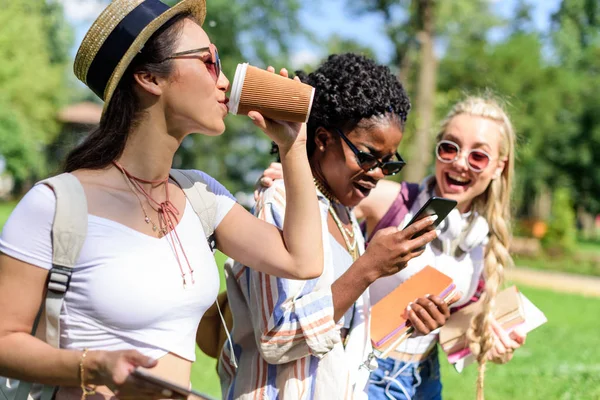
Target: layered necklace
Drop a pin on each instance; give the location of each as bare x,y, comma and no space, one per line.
167,216
347,234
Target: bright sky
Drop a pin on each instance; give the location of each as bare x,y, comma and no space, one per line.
323,18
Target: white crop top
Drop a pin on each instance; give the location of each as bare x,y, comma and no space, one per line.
126,290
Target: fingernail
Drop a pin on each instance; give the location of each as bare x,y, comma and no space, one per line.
428,295
433,217
438,232
166,393
251,117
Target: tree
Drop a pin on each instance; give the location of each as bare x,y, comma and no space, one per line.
576,40
416,28
34,44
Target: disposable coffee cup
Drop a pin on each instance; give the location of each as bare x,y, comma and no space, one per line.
272,95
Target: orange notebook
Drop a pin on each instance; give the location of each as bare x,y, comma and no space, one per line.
388,326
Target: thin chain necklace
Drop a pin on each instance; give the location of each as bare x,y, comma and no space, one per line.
167,213
161,231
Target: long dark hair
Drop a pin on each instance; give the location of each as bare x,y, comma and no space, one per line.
107,141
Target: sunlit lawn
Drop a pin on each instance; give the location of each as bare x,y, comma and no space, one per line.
561,359
589,246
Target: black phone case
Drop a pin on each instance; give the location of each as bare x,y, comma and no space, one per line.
439,206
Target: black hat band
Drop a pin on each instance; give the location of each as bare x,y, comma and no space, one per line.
118,42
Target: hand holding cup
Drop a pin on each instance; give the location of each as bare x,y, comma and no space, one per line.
276,104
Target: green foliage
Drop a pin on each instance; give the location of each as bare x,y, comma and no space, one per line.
561,229
34,44
5,209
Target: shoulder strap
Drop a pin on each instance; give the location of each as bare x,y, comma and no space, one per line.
203,201
69,230
410,191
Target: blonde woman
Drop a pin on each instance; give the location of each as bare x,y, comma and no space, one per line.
475,167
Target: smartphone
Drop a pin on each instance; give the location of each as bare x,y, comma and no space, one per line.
177,391
439,206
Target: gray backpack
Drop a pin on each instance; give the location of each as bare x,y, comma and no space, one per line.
69,230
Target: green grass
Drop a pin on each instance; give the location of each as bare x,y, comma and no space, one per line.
588,246
582,265
5,210
561,359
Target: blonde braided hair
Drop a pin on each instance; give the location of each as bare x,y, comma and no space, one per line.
494,205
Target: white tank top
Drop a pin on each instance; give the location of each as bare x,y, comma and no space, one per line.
126,290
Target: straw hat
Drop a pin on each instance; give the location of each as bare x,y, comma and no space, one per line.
118,34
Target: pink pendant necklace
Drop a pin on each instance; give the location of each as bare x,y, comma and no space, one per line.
167,216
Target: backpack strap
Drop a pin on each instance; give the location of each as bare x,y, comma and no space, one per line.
203,201
69,230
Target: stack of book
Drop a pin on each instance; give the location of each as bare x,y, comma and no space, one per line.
512,309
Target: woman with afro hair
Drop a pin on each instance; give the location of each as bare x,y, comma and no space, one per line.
309,339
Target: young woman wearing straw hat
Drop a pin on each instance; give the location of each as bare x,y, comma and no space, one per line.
145,274
309,339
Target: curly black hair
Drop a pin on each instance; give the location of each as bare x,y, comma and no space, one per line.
349,89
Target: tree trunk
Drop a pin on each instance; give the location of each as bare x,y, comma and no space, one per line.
422,151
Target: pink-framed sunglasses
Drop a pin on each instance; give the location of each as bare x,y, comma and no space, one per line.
213,65
447,152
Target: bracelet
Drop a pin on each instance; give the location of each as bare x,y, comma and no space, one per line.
85,391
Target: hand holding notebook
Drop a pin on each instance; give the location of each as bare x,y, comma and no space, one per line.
389,324
513,310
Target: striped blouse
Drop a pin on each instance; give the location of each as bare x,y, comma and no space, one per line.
285,339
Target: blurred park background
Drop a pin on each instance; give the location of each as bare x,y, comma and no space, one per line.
541,57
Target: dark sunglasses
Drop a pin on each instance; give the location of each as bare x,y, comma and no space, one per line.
447,151
213,65
368,162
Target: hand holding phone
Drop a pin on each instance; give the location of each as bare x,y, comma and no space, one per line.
439,206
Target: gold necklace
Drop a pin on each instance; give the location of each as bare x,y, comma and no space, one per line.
161,231
352,248
332,199
326,193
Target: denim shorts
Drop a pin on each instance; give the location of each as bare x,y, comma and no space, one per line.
402,380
